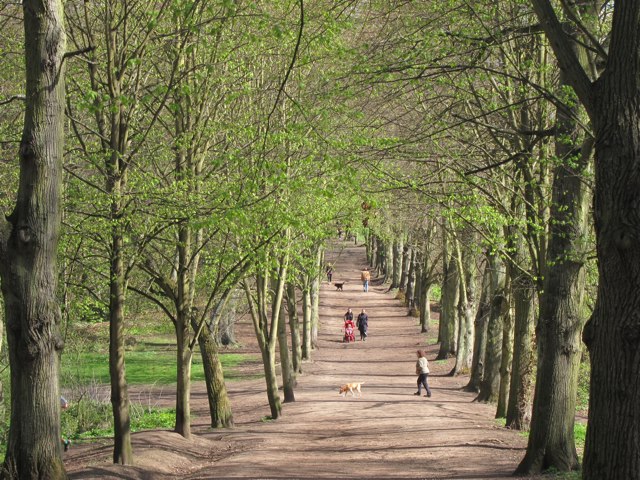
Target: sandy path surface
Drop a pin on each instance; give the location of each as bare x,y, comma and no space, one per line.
386,433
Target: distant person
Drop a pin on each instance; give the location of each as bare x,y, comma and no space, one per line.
348,315
329,272
363,325
422,370
365,276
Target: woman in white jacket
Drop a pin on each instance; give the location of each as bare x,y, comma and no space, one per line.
422,370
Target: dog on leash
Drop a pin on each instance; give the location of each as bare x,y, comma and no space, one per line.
339,286
350,388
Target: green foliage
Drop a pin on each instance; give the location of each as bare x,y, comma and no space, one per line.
582,401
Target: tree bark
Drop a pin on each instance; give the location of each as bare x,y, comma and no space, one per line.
520,393
294,327
551,440
219,404
306,319
490,385
397,264
28,248
612,448
466,304
286,367
449,299
122,450
480,333
315,300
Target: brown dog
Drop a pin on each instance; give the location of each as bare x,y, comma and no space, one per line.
350,388
339,286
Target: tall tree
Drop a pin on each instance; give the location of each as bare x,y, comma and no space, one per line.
612,448
28,248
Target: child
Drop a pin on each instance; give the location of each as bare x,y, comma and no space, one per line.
422,370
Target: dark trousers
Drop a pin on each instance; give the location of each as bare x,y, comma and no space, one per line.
422,380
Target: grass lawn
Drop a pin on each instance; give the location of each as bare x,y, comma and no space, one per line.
143,366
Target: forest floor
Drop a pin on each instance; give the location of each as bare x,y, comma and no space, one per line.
386,433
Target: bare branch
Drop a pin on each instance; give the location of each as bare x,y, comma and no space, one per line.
11,99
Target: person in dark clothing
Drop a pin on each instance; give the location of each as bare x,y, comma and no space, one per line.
363,324
348,315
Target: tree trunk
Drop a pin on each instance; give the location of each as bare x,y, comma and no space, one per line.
449,299
404,273
411,279
219,404
397,264
28,249
286,367
520,394
466,304
480,334
490,385
505,362
551,441
315,301
183,386
424,303
122,450
294,327
306,320
612,334
267,331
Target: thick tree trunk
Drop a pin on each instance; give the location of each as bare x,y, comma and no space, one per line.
551,441
424,303
490,385
448,317
612,448
28,249
520,393
404,269
466,305
480,333
505,363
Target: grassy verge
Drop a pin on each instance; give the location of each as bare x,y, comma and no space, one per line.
143,367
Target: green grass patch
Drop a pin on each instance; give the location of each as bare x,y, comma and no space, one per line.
582,400
580,434
143,366
90,419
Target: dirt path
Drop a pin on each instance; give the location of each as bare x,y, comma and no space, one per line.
387,432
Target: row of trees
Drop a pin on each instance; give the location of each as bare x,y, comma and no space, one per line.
501,111
199,154
211,145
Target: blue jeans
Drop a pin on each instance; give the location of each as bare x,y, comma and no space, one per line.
365,285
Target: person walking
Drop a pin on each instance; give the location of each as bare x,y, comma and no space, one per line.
348,315
329,272
365,276
422,370
363,324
